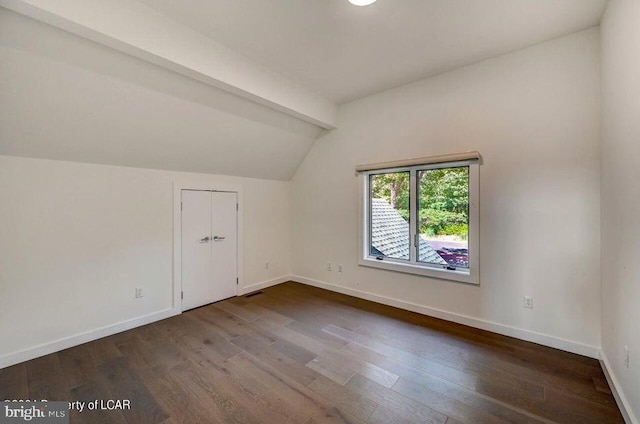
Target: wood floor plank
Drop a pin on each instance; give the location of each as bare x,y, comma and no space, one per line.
601,385
267,314
282,332
123,383
426,362
137,353
227,400
450,388
46,379
14,384
572,409
294,351
230,370
446,405
581,386
89,392
224,408
505,411
498,388
335,364
291,399
375,373
289,305
238,310
103,350
485,345
230,326
388,416
199,338
349,400
511,371
336,371
245,375
201,349
175,399
315,332
398,403
168,353
476,351
389,363
77,365
172,329
341,365
300,403
282,363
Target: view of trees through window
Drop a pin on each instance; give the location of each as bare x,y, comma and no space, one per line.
442,210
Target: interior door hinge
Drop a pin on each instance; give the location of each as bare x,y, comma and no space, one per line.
181,295
237,207
180,205
237,282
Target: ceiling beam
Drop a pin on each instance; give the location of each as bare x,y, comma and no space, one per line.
136,29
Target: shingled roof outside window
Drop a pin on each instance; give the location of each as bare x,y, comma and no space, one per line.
390,235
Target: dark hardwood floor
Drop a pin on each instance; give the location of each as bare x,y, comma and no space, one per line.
297,354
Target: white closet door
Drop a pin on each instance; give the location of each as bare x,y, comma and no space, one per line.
209,247
197,268
225,244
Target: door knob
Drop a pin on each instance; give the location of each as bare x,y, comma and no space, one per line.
205,240
218,238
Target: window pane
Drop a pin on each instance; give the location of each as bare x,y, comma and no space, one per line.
443,216
389,230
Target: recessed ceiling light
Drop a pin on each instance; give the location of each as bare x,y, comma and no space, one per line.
362,2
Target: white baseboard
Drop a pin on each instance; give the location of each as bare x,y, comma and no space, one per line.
618,394
518,333
78,339
263,285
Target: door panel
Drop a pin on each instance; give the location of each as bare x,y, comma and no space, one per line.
197,269
225,244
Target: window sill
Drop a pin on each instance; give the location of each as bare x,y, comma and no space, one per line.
462,276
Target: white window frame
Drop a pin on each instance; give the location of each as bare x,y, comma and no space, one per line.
412,266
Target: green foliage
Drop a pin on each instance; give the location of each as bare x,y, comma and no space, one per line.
434,222
445,189
444,201
443,198
460,230
394,188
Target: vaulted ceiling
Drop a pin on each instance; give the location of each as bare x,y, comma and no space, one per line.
236,87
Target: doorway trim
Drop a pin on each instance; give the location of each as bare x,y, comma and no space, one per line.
178,186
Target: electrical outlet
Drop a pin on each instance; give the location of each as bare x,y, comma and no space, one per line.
329,268
266,265
528,302
139,292
340,268
626,356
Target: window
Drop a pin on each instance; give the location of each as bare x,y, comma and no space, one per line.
421,219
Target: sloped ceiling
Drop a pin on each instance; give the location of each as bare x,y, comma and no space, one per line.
235,87
64,97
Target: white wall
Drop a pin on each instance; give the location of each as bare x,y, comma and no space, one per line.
534,117
76,239
621,196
